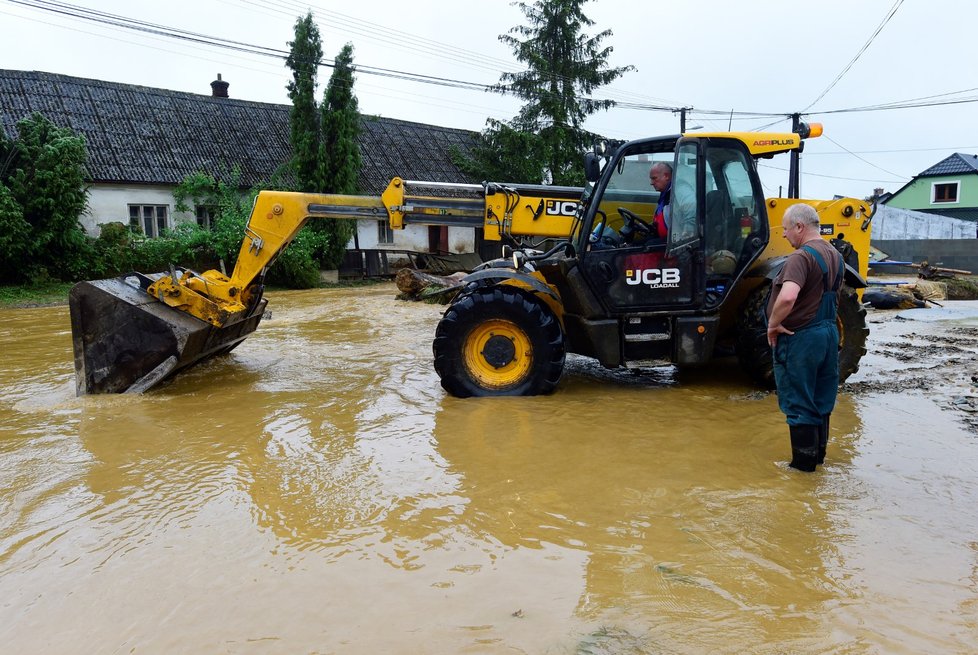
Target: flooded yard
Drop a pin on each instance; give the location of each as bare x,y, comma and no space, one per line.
317,492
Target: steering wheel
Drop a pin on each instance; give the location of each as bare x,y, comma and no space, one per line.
634,224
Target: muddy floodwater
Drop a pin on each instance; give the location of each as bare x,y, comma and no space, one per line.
317,492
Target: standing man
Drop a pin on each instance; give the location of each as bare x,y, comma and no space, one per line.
803,334
660,176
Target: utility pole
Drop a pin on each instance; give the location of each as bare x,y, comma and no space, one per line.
682,118
794,174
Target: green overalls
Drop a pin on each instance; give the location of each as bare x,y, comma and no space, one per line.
806,364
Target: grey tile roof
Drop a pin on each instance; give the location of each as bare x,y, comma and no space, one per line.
954,164
142,135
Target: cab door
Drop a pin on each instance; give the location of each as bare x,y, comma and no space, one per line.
648,274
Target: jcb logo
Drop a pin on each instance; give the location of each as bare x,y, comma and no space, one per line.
656,278
561,208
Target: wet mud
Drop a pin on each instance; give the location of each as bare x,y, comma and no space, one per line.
316,491
931,351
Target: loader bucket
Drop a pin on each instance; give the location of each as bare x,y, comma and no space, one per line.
127,341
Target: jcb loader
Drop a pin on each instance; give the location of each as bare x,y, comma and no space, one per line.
608,289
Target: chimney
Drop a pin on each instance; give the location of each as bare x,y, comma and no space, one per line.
219,88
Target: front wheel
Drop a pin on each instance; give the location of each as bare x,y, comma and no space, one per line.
755,355
498,341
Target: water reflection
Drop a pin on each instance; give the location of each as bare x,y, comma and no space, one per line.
684,518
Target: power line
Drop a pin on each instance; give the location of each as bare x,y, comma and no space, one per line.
879,152
828,138
832,177
886,19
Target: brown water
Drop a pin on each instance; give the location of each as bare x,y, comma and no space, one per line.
317,492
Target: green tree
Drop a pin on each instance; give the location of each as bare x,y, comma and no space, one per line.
324,138
339,152
305,56
564,66
230,210
43,192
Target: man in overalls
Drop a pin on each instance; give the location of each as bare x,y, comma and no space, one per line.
803,334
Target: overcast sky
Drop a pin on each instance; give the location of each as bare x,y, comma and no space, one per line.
766,56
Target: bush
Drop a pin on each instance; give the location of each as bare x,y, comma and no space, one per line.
297,267
42,195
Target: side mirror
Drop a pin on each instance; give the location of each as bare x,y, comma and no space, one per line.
592,167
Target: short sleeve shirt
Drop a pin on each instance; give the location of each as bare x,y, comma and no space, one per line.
802,269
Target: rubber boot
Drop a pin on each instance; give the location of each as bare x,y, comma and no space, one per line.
804,446
823,438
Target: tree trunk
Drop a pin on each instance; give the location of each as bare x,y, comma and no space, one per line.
416,285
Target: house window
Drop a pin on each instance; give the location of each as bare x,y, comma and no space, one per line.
205,216
385,235
945,192
150,220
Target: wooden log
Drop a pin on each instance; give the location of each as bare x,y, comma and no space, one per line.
412,283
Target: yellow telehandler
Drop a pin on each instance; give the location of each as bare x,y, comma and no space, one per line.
608,289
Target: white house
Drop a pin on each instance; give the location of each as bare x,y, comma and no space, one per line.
142,142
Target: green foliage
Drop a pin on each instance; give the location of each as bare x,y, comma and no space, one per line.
564,66
504,154
35,294
305,55
340,120
326,156
296,267
42,194
339,154
229,207
230,210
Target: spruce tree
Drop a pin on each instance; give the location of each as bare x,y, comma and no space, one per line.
564,66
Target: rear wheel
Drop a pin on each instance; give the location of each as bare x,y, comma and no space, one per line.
755,355
498,341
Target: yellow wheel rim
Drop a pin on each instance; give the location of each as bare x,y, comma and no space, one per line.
498,354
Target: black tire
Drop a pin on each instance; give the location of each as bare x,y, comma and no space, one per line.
853,332
755,355
498,341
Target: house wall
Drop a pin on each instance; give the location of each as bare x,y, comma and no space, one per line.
108,203
413,237
917,195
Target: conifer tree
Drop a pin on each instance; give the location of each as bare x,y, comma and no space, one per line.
326,157
564,67
305,55
339,150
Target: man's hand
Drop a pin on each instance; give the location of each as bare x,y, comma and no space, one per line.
772,334
782,307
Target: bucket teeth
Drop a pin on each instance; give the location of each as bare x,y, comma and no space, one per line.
125,340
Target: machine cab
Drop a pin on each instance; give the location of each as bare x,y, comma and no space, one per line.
711,224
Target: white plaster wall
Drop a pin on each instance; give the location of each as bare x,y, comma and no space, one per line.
896,223
109,203
414,237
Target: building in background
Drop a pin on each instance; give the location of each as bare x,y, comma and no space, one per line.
142,142
948,188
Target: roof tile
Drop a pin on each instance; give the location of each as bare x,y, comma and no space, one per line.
139,134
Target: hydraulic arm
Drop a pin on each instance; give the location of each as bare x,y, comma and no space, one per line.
132,332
